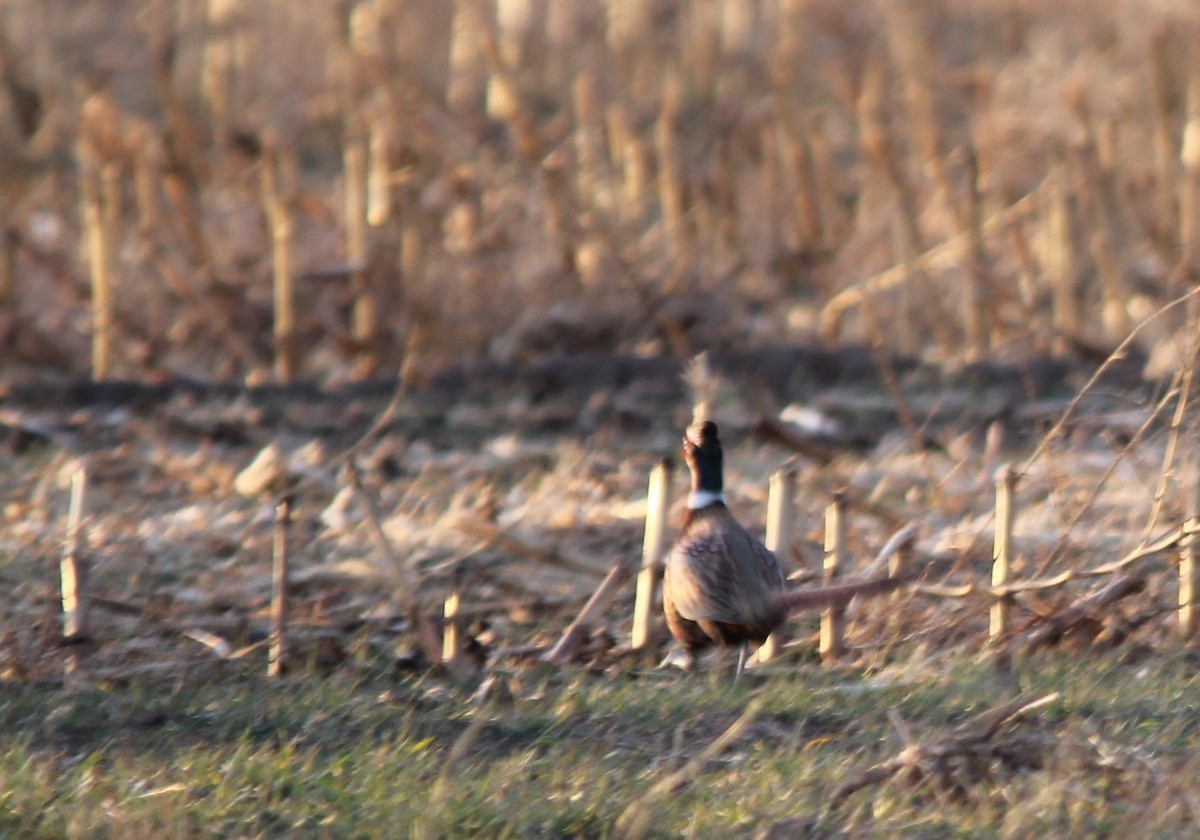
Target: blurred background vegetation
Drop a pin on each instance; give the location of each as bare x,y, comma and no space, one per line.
323,190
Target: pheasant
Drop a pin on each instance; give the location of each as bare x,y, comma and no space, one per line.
722,586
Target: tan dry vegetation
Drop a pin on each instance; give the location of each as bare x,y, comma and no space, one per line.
456,181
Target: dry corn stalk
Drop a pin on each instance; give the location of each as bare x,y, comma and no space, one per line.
1189,185
670,170
1059,258
915,57
280,166
467,77
364,317
975,297
653,544
1189,555
99,236
225,49
779,540
279,642
74,567
1002,550
1165,164
833,620
1100,206
379,176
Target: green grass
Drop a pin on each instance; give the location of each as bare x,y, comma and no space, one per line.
375,757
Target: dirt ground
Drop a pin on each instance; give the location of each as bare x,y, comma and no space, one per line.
522,487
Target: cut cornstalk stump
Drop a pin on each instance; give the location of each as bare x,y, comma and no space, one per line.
653,545
451,630
833,620
1189,579
1006,482
99,235
779,540
278,645
73,570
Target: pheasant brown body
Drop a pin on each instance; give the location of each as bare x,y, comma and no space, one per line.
722,586
720,583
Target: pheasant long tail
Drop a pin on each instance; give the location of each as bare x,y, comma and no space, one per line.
800,600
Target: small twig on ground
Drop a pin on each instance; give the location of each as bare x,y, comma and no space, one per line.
965,741
381,422
897,542
428,638
1160,545
571,638
1059,624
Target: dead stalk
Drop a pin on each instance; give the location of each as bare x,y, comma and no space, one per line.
900,564
653,545
9,243
1002,553
568,644
379,178
365,317
1060,255
1165,140
976,305
670,170
833,619
1086,506
779,540
1189,568
73,570
1056,625
945,255
99,235
1116,355
278,647
1189,184
408,581
1182,393
1093,184
277,199
451,629
792,133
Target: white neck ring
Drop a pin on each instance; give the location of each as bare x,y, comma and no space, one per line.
703,498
